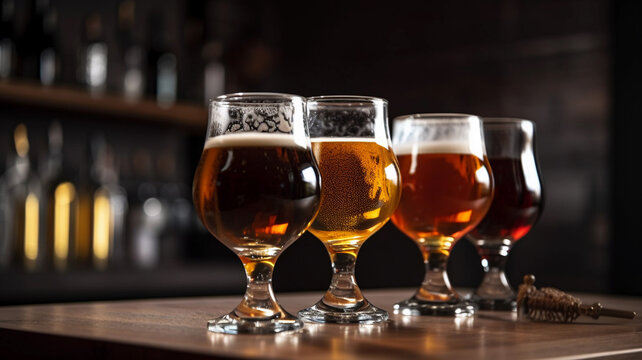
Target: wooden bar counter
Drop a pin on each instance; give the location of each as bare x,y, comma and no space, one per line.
176,329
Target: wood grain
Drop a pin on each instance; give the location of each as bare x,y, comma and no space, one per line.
175,328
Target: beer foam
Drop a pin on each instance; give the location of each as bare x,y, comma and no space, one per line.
343,139
381,140
437,147
250,139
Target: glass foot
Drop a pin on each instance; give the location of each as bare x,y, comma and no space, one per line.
415,306
364,314
232,324
507,304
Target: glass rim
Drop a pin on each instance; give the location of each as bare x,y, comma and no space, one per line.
242,98
505,120
436,117
345,100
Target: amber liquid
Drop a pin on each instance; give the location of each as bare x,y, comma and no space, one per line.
444,196
360,191
256,200
516,205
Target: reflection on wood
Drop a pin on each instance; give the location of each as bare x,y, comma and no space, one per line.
176,329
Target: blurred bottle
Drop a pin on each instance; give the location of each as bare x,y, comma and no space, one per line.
148,215
93,57
177,206
214,73
16,174
7,39
26,201
102,210
60,195
37,46
133,84
49,60
161,63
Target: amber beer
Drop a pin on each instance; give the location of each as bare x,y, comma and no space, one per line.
360,190
256,192
446,192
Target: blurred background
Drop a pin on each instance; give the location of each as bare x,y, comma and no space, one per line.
103,116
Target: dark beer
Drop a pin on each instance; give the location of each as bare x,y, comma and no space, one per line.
446,192
360,190
256,192
516,204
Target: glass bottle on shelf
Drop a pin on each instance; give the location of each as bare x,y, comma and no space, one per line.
49,58
60,193
25,192
16,173
109,208
36,44
93,71
102,211
174,196
133,80
161,64
7,39
148,213
214,71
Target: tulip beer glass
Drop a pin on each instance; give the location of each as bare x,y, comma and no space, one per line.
360,175
447,187
257,189
516,206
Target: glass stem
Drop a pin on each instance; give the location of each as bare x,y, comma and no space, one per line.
259,301
343,291
436,286
494,285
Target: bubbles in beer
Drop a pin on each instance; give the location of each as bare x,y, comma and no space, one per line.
360,189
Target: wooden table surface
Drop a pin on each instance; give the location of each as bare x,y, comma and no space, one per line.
175,329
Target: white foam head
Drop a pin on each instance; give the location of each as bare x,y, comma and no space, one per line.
438,147
380,141
249,139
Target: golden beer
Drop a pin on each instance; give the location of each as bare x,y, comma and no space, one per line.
256,193
446,192
360,190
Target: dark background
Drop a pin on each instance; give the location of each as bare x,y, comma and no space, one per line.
572,66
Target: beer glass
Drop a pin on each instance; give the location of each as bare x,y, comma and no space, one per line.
516,206
351,144
256,189
447,189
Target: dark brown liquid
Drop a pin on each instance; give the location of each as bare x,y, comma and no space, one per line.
256,200
517,202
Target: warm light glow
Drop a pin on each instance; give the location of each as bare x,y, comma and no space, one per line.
31,227
463,216
277,229
21,140
272,228
372,214
101,230
64,195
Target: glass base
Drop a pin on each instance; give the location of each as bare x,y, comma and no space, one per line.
323,313
508,304
415,306
232,324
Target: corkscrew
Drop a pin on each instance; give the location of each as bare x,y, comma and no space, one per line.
553,305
